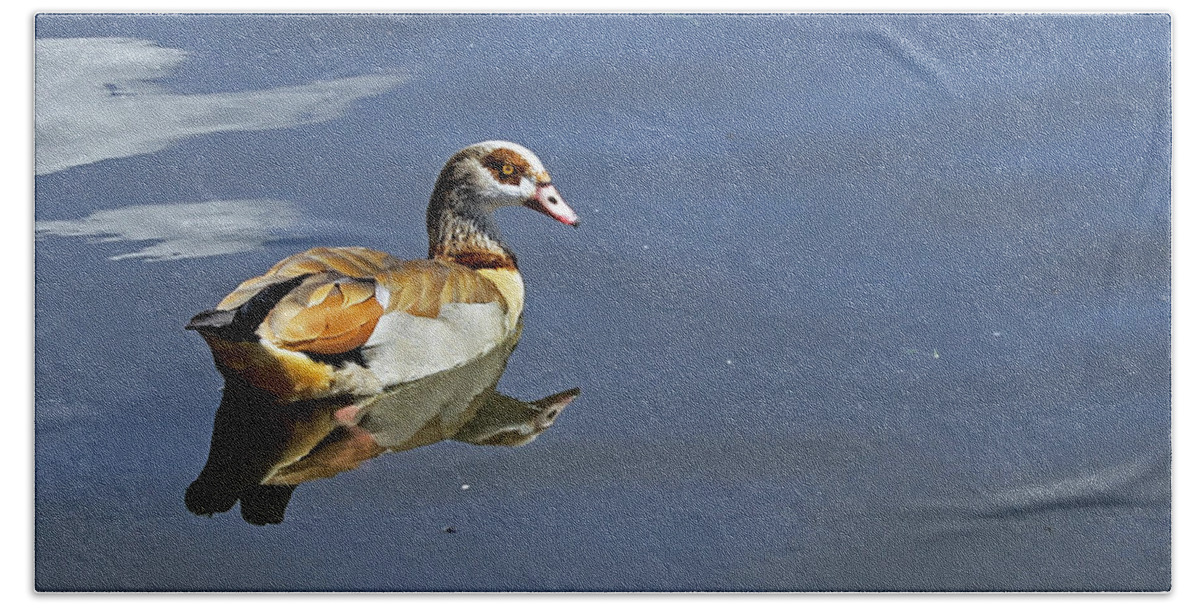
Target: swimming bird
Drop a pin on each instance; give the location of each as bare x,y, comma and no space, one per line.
353,321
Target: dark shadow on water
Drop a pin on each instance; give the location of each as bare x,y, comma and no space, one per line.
263,448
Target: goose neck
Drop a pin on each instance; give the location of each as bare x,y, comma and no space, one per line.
465,237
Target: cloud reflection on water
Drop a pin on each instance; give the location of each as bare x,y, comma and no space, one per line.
95,101
187,230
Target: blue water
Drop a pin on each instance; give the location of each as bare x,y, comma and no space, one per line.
858,302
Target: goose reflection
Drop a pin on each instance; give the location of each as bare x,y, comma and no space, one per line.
262,448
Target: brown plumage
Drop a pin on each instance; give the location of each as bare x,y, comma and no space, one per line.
355,320
335,309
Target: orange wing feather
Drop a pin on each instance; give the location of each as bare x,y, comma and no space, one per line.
324,315
335,309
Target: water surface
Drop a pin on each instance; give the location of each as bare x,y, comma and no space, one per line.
858,302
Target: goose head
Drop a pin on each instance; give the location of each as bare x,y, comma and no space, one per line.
488,175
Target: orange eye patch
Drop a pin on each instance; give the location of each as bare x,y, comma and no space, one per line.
506,166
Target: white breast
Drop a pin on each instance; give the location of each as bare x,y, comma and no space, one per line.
404,347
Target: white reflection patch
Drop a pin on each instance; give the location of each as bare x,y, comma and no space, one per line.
188,230
94,101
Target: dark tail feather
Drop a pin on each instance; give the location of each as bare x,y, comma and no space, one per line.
240,323
211,320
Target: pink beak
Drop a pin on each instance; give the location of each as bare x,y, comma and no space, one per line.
547,200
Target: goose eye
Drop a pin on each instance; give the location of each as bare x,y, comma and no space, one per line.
507,169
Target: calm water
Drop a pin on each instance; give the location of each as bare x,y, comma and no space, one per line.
858,302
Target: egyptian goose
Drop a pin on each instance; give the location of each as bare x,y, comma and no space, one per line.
354,321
